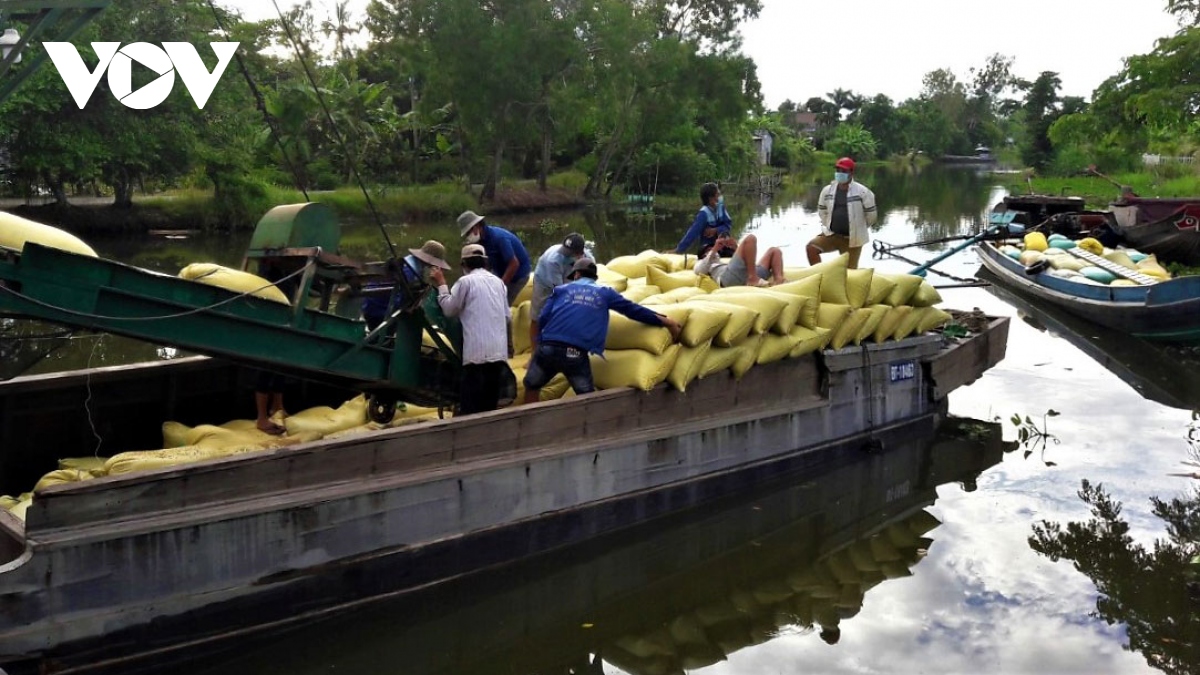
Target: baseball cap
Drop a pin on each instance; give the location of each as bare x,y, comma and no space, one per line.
574,243
845,163
585,265
473,251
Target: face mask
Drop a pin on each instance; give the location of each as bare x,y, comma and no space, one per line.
841,177
473,238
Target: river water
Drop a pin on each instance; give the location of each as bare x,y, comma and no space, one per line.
731,591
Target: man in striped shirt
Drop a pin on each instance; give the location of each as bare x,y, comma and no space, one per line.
479,300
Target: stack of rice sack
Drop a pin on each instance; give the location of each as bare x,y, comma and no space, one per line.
817,595
185,445
1036,247
733,329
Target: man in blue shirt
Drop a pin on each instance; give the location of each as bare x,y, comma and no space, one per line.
574,324
712,221
507,257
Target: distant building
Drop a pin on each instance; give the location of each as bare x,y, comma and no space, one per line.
763,140
803,122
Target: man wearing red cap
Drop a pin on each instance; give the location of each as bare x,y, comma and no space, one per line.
847,209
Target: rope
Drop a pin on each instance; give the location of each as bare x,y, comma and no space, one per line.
190,312
287,28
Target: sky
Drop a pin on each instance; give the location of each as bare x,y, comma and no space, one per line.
806,48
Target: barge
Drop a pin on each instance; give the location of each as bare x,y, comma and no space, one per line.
147,564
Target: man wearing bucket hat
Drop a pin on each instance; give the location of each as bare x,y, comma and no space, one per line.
478,301
506,254
574,324
415,271
552,271
847,210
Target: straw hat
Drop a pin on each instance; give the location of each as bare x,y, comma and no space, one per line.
466,221
431,253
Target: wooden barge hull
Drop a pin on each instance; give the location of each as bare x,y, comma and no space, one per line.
185,547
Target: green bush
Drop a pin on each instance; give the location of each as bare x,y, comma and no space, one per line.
679,169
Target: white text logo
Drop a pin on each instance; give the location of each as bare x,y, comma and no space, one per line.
172,57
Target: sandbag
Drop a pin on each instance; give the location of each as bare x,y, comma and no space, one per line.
526,292
677,295
1124,282
777,312
738,325
325,420
806,288
933,319
858,286
1091,245
628,265
521,320
878,312
640,293
671,281
1067,262
175,434
1029,257
238,281
556,388
678,261
611,278
1098,274
707,283
687,366
718,359
776,347
926,296
906,286
146,460
653,258
633,368
848,330
16,231
1035,241
1011,251
93,465
809,340
909,324
21,507
748,357
62,476
831,315
7,502
700,324
625,333
833,283
1061,244
891,322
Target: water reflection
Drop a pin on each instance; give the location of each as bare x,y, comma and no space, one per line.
794,560
1154,591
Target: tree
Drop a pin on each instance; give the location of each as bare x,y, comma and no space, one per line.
1186,11
1041,110
852,140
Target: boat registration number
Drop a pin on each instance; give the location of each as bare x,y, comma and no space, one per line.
905,370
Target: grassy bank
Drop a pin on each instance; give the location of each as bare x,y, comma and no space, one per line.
1098,192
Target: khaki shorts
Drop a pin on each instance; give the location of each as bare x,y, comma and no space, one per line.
837,242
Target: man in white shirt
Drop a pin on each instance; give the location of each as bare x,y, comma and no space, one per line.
551,271
480,301
847,210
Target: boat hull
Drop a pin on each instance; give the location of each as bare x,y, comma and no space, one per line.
1168,312
1169,228
178,552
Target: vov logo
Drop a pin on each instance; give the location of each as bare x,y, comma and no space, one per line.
172,57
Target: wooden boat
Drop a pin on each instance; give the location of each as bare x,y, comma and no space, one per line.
1168,311
149,563
1162,372
1169,228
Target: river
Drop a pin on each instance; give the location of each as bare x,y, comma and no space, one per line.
724,591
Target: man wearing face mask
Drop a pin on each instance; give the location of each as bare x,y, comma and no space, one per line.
506,254
711,222
552,271
416,271
847,210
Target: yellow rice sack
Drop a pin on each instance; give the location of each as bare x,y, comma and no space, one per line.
521,319
926,296
833,285
708,284
858,286
670,281
906,286
881,288
677,295
678,261
555,389
1123,282
1091,245
627,265
891,322
748,357
719,359
62,476
1121,258
625,333
700,324
93,465
175,434
848,330
633,368
806,288
325,420
809,340
146,460
1036,241
767,305
776,347
238,281
933,319
605,276
7,502
687,366
640,293
16,231
777,312
21,507
909,325
831,315
526,292
878,313
653,258
738,325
